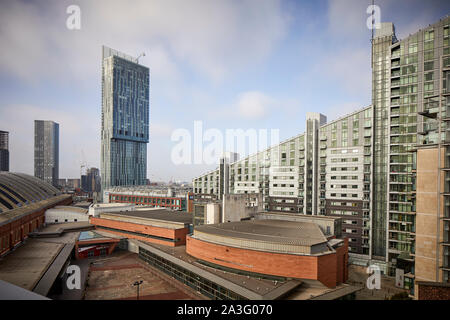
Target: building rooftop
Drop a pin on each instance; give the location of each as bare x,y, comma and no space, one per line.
109,205
9,291
163,215
69,209
39,260
11,215
18,190
276,231
147,190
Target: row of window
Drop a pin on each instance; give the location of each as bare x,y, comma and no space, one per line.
344,195
145,200
193,280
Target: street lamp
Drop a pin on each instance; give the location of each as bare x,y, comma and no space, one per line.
137,283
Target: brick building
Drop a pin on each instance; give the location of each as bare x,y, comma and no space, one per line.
433,290
159,226
23,202
279,248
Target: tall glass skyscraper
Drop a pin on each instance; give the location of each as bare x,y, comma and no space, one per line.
4,151
125,120
46,151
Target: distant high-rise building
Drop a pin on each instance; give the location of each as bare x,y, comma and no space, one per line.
4,151
91,181
125,120
73,183
46,151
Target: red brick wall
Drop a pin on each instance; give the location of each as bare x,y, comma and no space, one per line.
140,228
342,262
430,292
322,268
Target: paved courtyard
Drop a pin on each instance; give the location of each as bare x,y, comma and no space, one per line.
112,278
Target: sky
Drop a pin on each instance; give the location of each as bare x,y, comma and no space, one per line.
231,64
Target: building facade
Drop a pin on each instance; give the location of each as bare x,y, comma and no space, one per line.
325,171
302,253
91,182
362,166
158,226
125,120
46,151
23,202
4,150
175,198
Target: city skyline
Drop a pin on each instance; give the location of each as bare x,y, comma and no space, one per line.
267,82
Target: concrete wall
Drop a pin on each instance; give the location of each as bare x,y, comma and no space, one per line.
234,207
96,209
64,215
213,213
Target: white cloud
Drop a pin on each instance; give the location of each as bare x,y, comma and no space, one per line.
216,38
253,105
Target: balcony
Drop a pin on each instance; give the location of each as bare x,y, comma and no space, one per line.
429,113
395,74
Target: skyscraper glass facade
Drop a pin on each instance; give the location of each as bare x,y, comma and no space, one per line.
4,151
46,151
125,120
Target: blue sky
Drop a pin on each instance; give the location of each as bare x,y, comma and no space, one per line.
231,64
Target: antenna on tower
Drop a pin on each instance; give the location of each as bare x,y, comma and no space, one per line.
141,55
371,40
372,18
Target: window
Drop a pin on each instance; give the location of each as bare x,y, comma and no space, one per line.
429,76
429,35
412,48
428,65
428,86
